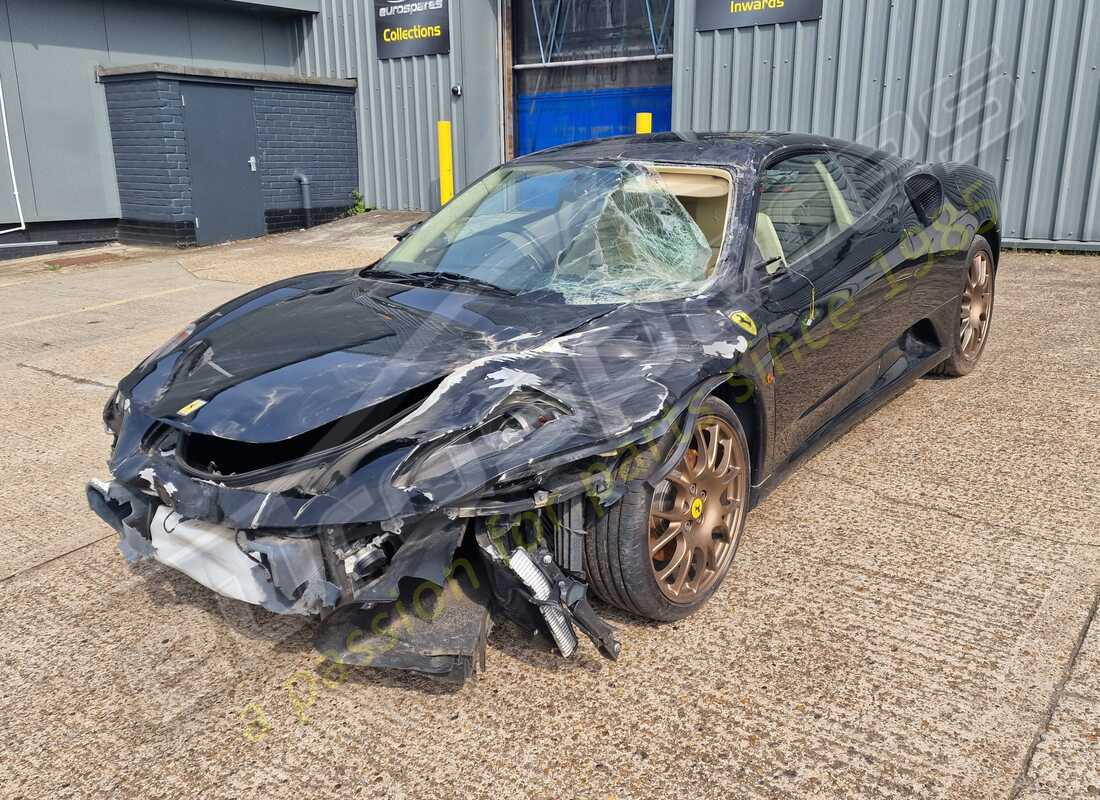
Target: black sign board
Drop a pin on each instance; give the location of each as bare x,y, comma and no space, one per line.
712,15
409,28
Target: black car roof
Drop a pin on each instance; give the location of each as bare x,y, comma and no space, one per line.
747,148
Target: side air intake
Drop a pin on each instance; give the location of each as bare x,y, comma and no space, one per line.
926,195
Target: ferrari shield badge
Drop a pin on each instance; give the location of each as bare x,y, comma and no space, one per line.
744,321
191,407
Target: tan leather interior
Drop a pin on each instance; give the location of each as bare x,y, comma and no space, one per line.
685,184
767,242
705,194
804,206
841,211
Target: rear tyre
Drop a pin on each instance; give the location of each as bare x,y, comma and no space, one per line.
663,552
975,313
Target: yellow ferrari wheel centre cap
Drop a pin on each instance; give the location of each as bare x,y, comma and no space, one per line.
696,508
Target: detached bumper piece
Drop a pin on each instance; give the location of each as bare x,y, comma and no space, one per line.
539,586
421,597
562,601
436,630
532,589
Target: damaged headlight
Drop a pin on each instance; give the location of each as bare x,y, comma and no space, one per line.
168,347
510,423
113,413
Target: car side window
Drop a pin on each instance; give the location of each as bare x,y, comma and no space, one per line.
871,180
805,203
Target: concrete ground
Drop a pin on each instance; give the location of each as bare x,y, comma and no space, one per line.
910,615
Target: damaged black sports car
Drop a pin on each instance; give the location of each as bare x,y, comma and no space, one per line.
580,374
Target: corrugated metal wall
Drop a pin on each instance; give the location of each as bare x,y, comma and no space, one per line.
400,100
1012,86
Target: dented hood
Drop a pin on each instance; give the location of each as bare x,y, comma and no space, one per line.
299,354
617,375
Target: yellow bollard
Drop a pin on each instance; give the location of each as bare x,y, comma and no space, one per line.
446,161
643,122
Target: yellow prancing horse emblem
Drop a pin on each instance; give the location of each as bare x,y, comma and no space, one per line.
744,320
697,508
194,405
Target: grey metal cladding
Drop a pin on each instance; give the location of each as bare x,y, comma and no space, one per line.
1008,86
399,102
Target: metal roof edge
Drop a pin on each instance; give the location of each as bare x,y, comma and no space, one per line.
131,71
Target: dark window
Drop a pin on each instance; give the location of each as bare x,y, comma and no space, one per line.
552,30
805,203
871,180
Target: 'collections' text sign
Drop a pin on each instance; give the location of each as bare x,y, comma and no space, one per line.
716,15
403,28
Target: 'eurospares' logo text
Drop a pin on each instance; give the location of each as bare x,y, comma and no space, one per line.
398,7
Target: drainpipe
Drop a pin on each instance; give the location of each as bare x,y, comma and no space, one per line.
307,198
22,226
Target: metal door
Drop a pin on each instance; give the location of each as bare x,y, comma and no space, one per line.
839,307
225,177
476,94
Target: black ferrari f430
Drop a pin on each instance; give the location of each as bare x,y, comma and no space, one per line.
581,373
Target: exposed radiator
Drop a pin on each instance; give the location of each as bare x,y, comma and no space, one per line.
567,534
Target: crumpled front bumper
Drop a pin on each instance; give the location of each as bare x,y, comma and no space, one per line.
429,611
284,574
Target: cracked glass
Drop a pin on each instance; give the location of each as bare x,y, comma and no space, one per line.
575,232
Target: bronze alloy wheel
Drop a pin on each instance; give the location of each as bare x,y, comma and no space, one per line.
977,305
696,512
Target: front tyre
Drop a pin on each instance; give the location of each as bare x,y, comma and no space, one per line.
975,312
663,552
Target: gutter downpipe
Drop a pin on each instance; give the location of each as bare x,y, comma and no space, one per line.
22,226
307,197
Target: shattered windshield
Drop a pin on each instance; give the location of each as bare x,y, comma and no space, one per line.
583,233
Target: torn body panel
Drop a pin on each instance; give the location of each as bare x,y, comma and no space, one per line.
436,629
596,390
338,444
284,574
338,473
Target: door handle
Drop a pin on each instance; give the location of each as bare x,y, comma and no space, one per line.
252,163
